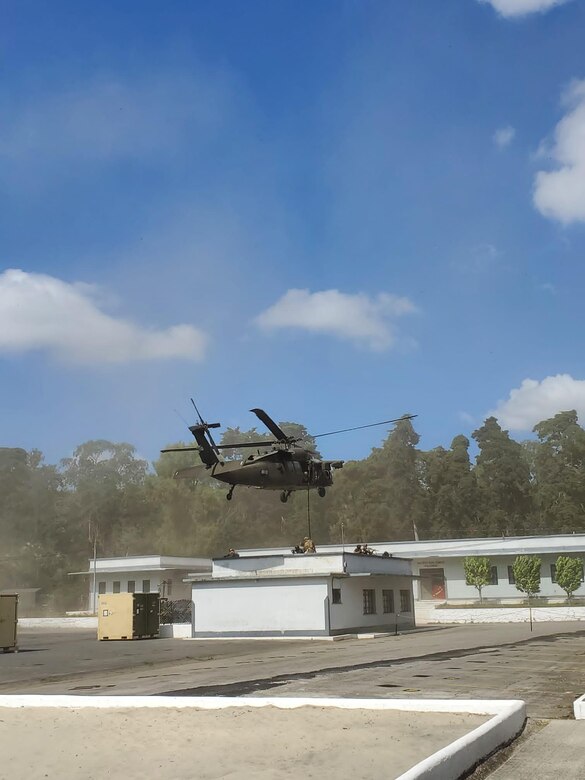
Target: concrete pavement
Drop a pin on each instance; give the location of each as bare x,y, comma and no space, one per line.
556,751
544,668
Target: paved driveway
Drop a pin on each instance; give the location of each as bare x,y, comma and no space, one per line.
545,668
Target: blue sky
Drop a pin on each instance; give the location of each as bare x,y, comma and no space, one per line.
337,211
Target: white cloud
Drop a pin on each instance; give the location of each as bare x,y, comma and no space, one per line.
504,136
39,312
534,401
357,317
560,194
511,8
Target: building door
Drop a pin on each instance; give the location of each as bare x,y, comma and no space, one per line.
432,584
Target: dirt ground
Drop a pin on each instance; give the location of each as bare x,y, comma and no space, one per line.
241,742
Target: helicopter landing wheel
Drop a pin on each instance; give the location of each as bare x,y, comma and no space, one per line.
284,496
321,492
230,494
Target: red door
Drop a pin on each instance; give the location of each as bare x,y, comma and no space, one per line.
438,589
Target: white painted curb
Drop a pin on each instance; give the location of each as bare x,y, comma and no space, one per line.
579,708
449,762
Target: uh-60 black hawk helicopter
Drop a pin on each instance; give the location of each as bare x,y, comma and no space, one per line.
285,466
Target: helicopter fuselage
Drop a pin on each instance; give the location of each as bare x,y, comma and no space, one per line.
276,471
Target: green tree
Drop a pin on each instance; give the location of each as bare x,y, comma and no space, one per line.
106,485
527,574
503,480
569,574
452,490
389,495
560,473
477,572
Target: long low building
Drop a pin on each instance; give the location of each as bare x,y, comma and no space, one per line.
164,574
281,594
438,564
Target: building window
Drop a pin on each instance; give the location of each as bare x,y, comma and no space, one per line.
388,601
131,586
511,578
369,602
169,588
405,601
336,594
493,575
146,586
101,587
553,572
116,588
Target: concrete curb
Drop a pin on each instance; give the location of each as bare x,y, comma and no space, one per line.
579,708
507,721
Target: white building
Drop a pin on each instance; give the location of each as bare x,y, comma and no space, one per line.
438,565
322,594
162,574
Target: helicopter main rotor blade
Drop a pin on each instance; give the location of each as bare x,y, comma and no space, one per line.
247,444
182,449
371,425
274,429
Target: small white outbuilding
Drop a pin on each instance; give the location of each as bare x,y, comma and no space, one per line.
302,595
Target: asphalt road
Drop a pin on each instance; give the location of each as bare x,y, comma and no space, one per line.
545,668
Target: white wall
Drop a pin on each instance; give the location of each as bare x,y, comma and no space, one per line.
504,615
278,564
456,588
260,607
350,613
179,589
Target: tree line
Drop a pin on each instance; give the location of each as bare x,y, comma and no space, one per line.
50,515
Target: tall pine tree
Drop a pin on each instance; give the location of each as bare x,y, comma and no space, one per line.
503,478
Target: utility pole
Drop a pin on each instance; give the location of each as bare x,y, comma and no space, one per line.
93,535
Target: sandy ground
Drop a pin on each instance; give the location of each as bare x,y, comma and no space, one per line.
206,744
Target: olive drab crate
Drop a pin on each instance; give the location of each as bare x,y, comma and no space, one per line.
8,621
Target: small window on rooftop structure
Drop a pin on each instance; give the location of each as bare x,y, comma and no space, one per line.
336,595
116,588
101,587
